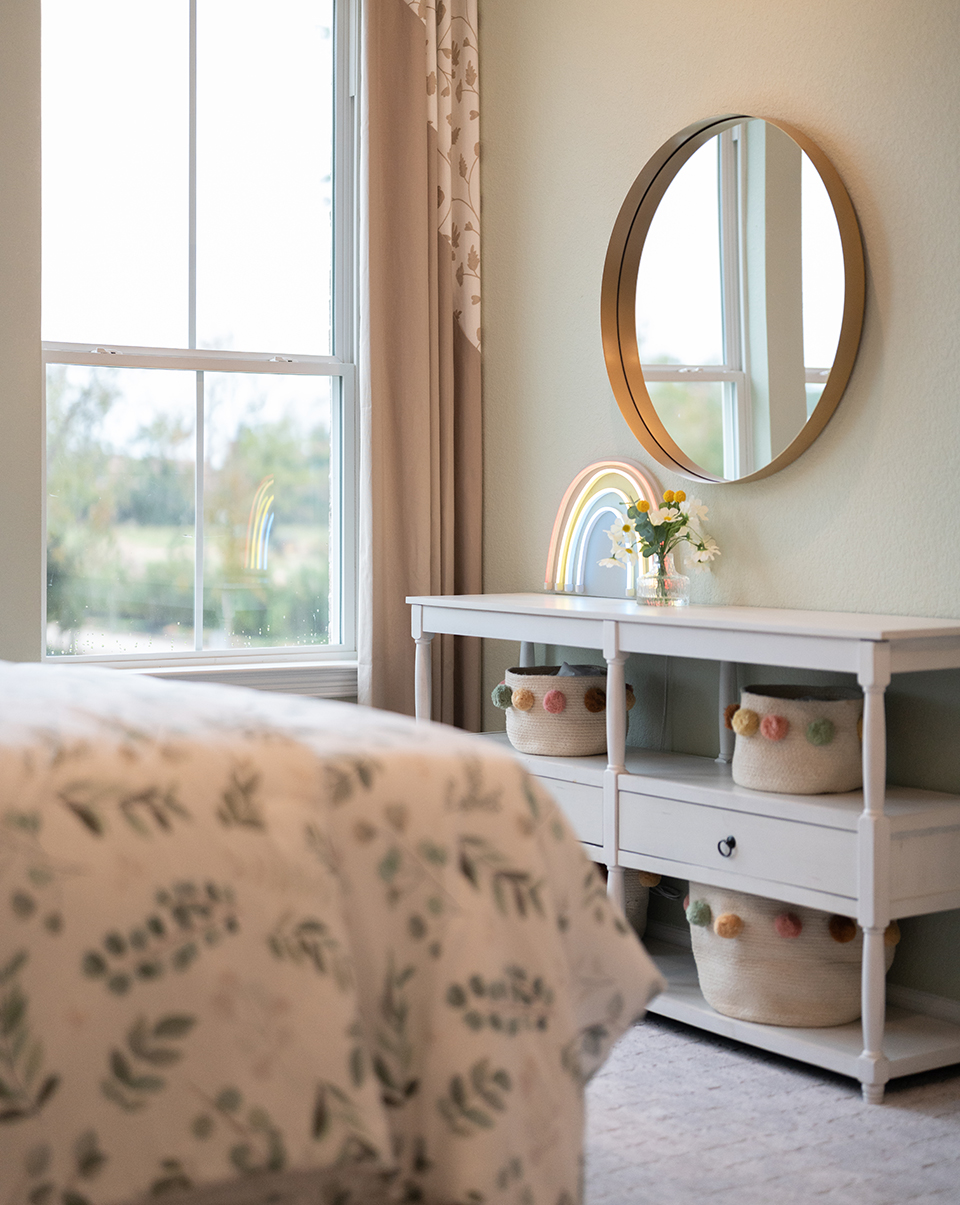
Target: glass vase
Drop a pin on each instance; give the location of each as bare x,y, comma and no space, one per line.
661,585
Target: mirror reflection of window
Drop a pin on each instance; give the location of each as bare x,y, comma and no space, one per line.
739,302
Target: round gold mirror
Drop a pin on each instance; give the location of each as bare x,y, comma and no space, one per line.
732,299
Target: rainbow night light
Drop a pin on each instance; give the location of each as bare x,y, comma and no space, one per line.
597,493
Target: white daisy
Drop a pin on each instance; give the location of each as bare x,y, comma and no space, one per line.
695,511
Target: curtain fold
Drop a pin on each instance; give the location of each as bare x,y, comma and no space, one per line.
420,406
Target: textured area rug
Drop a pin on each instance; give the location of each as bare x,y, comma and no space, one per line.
680,1117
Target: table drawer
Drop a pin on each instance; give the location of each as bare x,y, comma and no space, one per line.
581,804
767,848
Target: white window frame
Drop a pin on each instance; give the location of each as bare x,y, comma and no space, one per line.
329,670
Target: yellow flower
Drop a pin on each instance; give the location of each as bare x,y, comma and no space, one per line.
679,496
668,496
643,506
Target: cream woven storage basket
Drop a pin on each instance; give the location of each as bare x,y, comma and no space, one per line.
800,740
636,897
766,961
549,714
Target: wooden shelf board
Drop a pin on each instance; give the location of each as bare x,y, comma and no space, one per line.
586,770
718,876
703,780
913,1041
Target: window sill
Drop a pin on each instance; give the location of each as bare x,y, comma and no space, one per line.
318,679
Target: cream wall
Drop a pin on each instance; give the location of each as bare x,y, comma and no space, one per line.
575,99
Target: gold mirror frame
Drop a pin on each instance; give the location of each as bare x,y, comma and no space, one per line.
619,290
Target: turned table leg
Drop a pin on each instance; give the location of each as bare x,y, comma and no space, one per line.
423,667
728,695
874,1015
873,846
616,760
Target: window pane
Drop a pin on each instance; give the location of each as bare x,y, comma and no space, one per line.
679,308
266,510
693,415
265,165
115,160
120,510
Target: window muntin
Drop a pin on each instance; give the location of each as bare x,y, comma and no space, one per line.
253,254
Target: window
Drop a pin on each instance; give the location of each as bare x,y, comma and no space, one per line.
197,325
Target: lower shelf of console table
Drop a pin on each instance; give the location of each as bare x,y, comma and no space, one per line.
913,1041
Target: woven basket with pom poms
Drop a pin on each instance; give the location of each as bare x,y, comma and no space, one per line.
560,716
801,740
765,961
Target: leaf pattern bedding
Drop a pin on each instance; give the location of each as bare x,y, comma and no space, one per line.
259,948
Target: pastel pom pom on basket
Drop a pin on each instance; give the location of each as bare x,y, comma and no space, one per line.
553,714
799,740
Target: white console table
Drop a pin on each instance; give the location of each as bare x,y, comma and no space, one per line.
877,854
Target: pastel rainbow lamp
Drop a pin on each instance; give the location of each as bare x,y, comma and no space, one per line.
592,502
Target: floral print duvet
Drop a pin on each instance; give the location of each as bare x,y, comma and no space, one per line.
263,948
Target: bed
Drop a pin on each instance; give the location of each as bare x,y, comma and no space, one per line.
258,948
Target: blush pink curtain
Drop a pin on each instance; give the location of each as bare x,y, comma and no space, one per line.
421,468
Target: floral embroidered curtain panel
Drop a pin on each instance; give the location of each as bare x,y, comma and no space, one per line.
421,454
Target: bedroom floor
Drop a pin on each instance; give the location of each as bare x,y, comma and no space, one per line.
680,1117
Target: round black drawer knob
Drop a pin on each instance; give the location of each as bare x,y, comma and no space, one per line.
727,846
